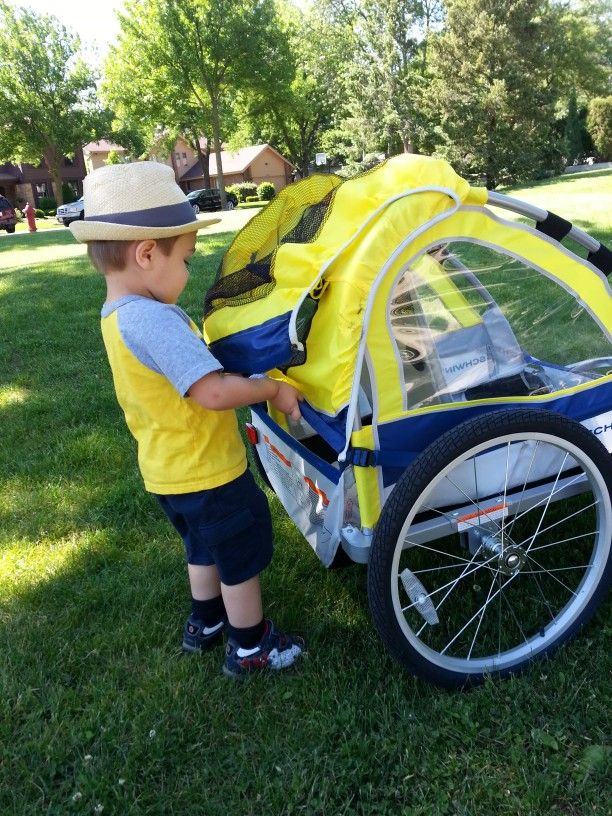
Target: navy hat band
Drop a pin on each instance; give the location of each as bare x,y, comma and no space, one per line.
172,215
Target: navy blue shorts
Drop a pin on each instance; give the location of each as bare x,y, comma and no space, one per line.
228,526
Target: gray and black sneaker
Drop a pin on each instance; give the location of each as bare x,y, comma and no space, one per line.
276,650
197,637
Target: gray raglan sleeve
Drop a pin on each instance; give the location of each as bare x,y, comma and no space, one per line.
163,341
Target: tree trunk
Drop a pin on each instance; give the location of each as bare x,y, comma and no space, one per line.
406,143
216,125
203,157
53,160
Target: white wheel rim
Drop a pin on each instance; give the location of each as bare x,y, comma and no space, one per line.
487,565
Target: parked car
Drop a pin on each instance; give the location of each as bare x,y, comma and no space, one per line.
8,218
209,199
74,211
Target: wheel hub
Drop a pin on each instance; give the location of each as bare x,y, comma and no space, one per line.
511,558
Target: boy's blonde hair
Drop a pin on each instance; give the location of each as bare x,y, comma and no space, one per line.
109,256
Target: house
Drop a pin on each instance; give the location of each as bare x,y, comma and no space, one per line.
256,164
27,182
96,153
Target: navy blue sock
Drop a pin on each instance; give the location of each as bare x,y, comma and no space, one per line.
210,612
247,637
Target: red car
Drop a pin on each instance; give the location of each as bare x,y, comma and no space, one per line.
8,219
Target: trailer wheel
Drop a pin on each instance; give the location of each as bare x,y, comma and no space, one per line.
494,546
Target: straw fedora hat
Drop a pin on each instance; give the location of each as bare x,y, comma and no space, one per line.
125,202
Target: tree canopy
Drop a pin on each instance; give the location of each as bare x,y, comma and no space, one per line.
48,101
178,58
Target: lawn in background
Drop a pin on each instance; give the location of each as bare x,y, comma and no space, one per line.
99,708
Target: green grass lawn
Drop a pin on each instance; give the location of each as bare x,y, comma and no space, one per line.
41,224
99,708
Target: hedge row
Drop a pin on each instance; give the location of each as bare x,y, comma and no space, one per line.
248,191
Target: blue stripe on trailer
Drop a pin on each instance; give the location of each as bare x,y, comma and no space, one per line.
331,473
411,435
331,429
256,350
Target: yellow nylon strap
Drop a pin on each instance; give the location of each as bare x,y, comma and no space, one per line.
366,481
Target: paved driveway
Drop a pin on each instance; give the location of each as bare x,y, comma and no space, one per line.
231,220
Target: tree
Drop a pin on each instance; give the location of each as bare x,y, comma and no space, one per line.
294,113
599,125
387,77
48,105
494,91
573,131
189,55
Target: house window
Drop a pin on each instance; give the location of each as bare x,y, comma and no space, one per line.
184,158
68,162
41,189
177,156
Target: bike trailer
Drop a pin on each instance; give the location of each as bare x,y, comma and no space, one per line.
453,348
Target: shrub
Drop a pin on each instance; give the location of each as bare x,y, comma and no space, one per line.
68,193
599,125
244,189
46,203
39,213
266,191
51,212
250,199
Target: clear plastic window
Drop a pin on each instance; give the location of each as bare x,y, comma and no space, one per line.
473,323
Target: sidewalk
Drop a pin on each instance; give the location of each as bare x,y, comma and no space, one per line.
230,220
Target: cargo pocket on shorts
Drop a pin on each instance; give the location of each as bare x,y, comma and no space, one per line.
233,526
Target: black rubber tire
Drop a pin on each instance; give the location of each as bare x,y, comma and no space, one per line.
10,230
405,495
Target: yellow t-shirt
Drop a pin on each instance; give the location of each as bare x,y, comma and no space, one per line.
156,353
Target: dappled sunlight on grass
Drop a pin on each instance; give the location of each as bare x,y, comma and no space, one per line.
29,249
24,565
13,395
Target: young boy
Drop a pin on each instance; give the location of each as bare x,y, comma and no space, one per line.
140,232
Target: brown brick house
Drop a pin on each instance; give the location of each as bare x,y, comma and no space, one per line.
256,163
25,182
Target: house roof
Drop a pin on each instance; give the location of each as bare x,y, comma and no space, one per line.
235,161
102,147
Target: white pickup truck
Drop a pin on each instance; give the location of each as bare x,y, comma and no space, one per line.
71,212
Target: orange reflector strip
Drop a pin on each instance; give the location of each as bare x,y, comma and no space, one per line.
276,452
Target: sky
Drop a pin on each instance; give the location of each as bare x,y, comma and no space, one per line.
93,20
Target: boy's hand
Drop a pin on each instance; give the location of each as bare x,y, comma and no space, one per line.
287,400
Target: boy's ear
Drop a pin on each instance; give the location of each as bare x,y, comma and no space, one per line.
143,252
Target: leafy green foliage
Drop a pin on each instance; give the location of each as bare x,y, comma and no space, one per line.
46,203
573,131
243,189
177,63
599,124
48,104
266,191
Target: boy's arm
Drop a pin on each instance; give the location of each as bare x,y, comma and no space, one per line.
219,392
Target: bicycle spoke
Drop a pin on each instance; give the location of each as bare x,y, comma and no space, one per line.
481,618
563,540
452,584
554,577
557,523
450,643
524,486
